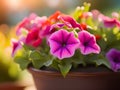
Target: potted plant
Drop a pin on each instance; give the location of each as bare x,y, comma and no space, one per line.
77,52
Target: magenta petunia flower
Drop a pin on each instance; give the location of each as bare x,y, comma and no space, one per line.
57,25
63,44
33,38
49,29
16,45
88,43
113,56
69,21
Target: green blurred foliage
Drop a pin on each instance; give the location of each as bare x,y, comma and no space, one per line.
9,71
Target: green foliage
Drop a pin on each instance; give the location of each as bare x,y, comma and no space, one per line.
64,68
22,61
39,60
79,10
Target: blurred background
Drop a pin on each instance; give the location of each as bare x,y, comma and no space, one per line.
13,11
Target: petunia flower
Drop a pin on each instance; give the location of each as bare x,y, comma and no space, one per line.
109,22
63,44
57,25
33,38
54,17
88,43
69,21
31,22
16,46
50,24
113,56
49,29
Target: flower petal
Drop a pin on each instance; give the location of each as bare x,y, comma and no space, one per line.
63,44
69,21
88,43
113,55
33,38
16,45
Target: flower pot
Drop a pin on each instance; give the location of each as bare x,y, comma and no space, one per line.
89,79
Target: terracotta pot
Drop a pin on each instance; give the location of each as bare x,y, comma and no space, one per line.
79,80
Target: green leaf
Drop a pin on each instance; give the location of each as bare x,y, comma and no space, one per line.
64,68
38,63
35,55
102,43
102,62
27,48
79,61
49,62
22,61
37,59
55,64
78,11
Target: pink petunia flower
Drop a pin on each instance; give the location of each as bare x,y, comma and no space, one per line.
31,22
69,21
33,38
109,22
63,44
88,43
16,46
48,26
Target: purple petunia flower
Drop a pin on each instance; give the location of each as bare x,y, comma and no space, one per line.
63,44
113,56
88,43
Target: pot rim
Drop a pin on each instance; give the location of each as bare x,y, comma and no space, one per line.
71,73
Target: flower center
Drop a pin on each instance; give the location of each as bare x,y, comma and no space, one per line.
85,43
116,60
63,44
35,37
